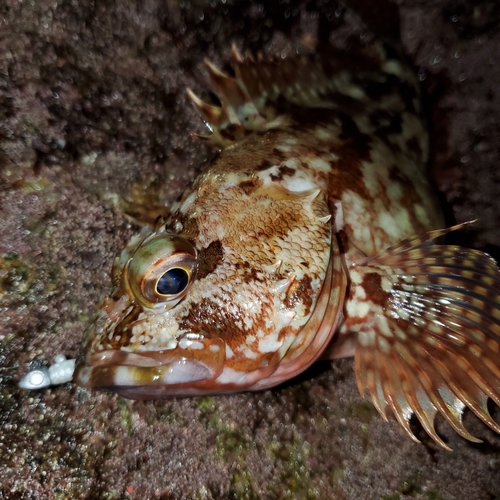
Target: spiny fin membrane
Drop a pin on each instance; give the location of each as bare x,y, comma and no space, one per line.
248,99
253,100
434,345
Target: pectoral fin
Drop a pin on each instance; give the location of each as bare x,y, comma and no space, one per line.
430,341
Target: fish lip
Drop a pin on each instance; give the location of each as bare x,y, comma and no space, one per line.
176,373
187,346
182,365
145,359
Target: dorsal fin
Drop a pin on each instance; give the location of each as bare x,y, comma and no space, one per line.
258,96
249,101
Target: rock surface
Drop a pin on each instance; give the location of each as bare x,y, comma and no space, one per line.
93,115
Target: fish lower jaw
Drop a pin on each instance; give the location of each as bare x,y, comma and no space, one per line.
182,371
114,369
166,374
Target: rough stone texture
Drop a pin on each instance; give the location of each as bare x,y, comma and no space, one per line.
93,115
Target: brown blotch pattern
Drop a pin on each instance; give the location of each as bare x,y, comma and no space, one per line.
250,185
209,258
207,318
282,172
300,292
373,288
264,165
247,272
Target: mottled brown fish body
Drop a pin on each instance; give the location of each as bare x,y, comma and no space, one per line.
297,242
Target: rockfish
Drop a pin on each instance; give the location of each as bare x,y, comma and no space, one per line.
310,235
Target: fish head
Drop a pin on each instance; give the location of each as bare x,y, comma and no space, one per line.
221,298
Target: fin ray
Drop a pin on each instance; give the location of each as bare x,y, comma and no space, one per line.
432,338
264,89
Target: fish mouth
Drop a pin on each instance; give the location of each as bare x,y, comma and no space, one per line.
142,373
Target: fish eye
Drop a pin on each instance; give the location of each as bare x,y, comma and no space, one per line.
173,281
161,270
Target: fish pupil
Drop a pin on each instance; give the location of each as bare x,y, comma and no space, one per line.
172,281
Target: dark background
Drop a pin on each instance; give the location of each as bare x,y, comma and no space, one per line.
95,125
